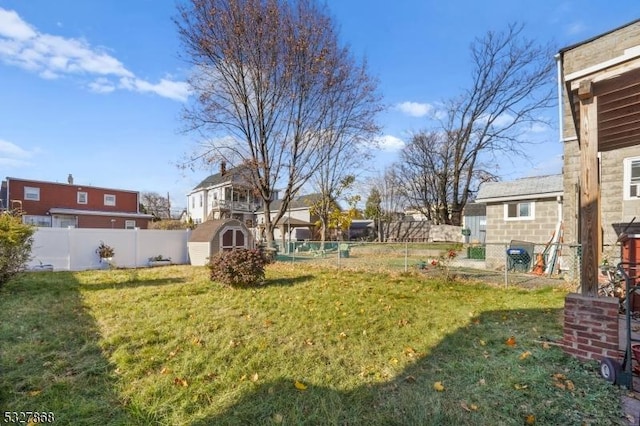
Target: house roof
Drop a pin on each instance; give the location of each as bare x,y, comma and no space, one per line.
60,210
573,46
205,231
220,177
520,189
301,202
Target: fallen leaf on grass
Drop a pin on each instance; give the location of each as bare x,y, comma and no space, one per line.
518,386
278,418
299,385
410,379
164,370
483,343
524,355
470,407
511,341
254,377
35,392
530,419
180,382
409,351
438,386
546,345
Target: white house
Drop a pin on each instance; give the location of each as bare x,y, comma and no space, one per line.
224,195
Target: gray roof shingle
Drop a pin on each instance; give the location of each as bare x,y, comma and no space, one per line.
519,188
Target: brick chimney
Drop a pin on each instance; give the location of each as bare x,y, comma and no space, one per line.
223,167
70,179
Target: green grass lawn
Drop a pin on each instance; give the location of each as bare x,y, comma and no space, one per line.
311,346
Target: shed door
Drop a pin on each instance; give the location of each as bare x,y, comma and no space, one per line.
232,238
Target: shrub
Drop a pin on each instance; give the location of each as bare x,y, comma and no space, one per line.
16,239
105,251
237,268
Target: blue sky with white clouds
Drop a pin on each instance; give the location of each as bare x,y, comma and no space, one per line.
95,88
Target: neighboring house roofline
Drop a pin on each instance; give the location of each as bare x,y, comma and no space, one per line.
58,210
8,179
521,189
524,197
222,177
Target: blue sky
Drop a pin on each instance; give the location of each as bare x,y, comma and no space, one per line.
95,88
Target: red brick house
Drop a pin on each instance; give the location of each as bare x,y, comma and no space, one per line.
61,205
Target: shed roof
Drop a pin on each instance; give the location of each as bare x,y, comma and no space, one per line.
525,188
205,231
475,209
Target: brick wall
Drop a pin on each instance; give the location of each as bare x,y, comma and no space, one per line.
591,327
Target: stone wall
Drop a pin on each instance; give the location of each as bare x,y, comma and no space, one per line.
539,230
613,208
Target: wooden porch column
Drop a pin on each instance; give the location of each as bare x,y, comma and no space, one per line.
589,189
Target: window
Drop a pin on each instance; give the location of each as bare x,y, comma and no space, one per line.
82,198
631,178
193,202
200,200
31,193
109,200
519,211
129,224
37,220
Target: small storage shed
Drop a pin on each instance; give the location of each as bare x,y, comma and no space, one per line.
213,236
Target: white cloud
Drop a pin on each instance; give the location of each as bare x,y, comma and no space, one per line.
102,85
575,28
52,56
415,109
13,156
11,26
13,150
390,143
551,166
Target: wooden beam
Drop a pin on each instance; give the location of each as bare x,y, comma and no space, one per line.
585,90
589,195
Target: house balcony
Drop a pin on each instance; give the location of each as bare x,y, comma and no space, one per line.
235,206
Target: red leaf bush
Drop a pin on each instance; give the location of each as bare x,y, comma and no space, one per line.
237,268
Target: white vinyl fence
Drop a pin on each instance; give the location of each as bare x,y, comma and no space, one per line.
74,249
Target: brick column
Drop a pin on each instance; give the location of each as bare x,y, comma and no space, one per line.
591,327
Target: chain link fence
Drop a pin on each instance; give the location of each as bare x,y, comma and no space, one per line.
514,263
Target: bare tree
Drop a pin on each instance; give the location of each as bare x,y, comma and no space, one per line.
274,89
156,205
512,83
425,169
386,201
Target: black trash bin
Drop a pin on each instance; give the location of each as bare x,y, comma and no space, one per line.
518,259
